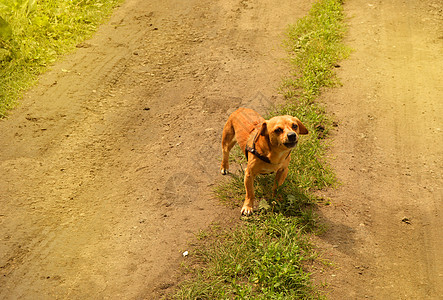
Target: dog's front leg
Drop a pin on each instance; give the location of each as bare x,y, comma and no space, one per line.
249,199
280,177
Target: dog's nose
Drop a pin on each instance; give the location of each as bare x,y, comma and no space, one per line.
292,136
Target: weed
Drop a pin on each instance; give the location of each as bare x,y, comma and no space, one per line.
260,261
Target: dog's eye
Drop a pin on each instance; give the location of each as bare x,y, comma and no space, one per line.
278,130
295,126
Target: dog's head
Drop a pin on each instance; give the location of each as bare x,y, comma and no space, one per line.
283,131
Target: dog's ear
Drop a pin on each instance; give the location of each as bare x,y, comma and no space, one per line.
302,127
264,129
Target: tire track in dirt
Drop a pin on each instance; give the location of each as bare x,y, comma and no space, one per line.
88,158
385,219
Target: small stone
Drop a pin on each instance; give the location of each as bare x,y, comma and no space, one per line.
406,220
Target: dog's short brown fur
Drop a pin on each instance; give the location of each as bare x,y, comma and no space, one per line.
273,140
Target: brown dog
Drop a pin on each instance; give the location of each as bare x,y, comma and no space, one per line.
267,145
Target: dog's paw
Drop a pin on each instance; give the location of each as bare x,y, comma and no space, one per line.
246,210
224,171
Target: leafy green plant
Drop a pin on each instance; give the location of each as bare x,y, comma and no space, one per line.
263,260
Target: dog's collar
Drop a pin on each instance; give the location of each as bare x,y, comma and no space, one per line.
255,152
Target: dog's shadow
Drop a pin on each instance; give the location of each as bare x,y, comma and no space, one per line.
288,200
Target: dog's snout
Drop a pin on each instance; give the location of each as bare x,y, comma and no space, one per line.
292,136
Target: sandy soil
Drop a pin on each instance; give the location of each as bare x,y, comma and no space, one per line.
107,166
385,220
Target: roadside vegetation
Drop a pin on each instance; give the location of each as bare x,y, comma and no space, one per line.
34,33
269,256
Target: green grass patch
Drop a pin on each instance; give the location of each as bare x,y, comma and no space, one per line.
315,49
262,260
268,256
33,34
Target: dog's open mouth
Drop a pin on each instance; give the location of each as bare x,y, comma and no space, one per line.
290,144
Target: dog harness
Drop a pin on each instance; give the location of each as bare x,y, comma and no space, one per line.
254,151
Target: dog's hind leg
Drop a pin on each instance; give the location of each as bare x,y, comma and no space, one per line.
228,141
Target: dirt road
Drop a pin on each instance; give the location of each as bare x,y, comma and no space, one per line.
107,166
385,220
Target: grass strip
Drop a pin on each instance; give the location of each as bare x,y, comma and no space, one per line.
267,257
33,34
